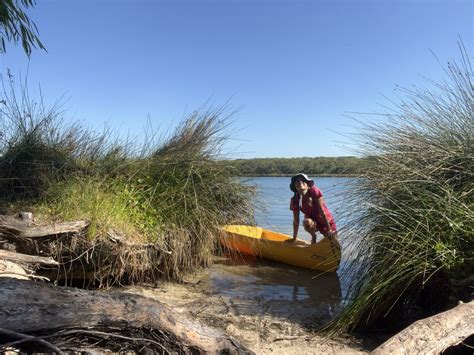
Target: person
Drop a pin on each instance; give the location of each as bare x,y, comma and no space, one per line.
309,199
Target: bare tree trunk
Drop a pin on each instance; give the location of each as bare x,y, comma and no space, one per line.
434,334
29,306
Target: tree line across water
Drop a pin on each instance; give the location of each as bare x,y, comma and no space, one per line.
334,166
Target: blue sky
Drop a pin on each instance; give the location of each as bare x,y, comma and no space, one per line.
293,69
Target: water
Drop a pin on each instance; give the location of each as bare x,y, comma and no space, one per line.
286,290
256,286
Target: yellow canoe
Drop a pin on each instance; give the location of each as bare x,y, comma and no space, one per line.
325,255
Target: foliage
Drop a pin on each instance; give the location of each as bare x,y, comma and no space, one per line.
289,166
415,217
173,194
38,147
106,204
192,193
16,26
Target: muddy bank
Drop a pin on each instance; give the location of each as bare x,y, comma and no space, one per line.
268,307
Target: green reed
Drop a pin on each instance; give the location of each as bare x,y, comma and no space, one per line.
168,191
413,218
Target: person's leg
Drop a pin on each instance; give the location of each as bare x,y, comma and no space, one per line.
325,231
310,226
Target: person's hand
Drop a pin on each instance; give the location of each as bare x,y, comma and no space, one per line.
290,241
331,233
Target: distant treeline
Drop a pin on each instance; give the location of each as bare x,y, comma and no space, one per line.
288,166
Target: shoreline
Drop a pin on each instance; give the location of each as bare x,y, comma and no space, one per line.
265,326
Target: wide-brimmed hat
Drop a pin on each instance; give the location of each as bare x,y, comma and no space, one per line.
300,175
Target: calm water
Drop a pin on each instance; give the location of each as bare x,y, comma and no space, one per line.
286,290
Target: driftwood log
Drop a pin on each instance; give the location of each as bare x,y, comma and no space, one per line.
33,311
22,246
29,307
13,228
433,335
11,269
27,259
22,266
75,258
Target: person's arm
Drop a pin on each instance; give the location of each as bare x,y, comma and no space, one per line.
296,224
294,207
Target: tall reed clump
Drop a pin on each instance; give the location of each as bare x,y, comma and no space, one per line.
31,149
415,217
191,193
169,193
38,147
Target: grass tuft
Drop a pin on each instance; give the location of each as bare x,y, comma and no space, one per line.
172,194
413,209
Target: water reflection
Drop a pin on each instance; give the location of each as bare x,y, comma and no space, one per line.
294,293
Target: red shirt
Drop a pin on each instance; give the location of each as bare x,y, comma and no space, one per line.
309,207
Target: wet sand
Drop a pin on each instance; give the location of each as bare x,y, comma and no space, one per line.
270,307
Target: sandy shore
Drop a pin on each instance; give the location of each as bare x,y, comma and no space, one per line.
265,325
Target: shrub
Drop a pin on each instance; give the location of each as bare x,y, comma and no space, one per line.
172,193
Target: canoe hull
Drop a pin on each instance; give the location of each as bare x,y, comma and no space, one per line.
322,256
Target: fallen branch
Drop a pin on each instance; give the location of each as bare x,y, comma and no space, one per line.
433,335
27,259
289,338
109,335
11,269
24,231
50,308
22,276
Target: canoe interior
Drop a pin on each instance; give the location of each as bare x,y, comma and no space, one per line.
322,256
